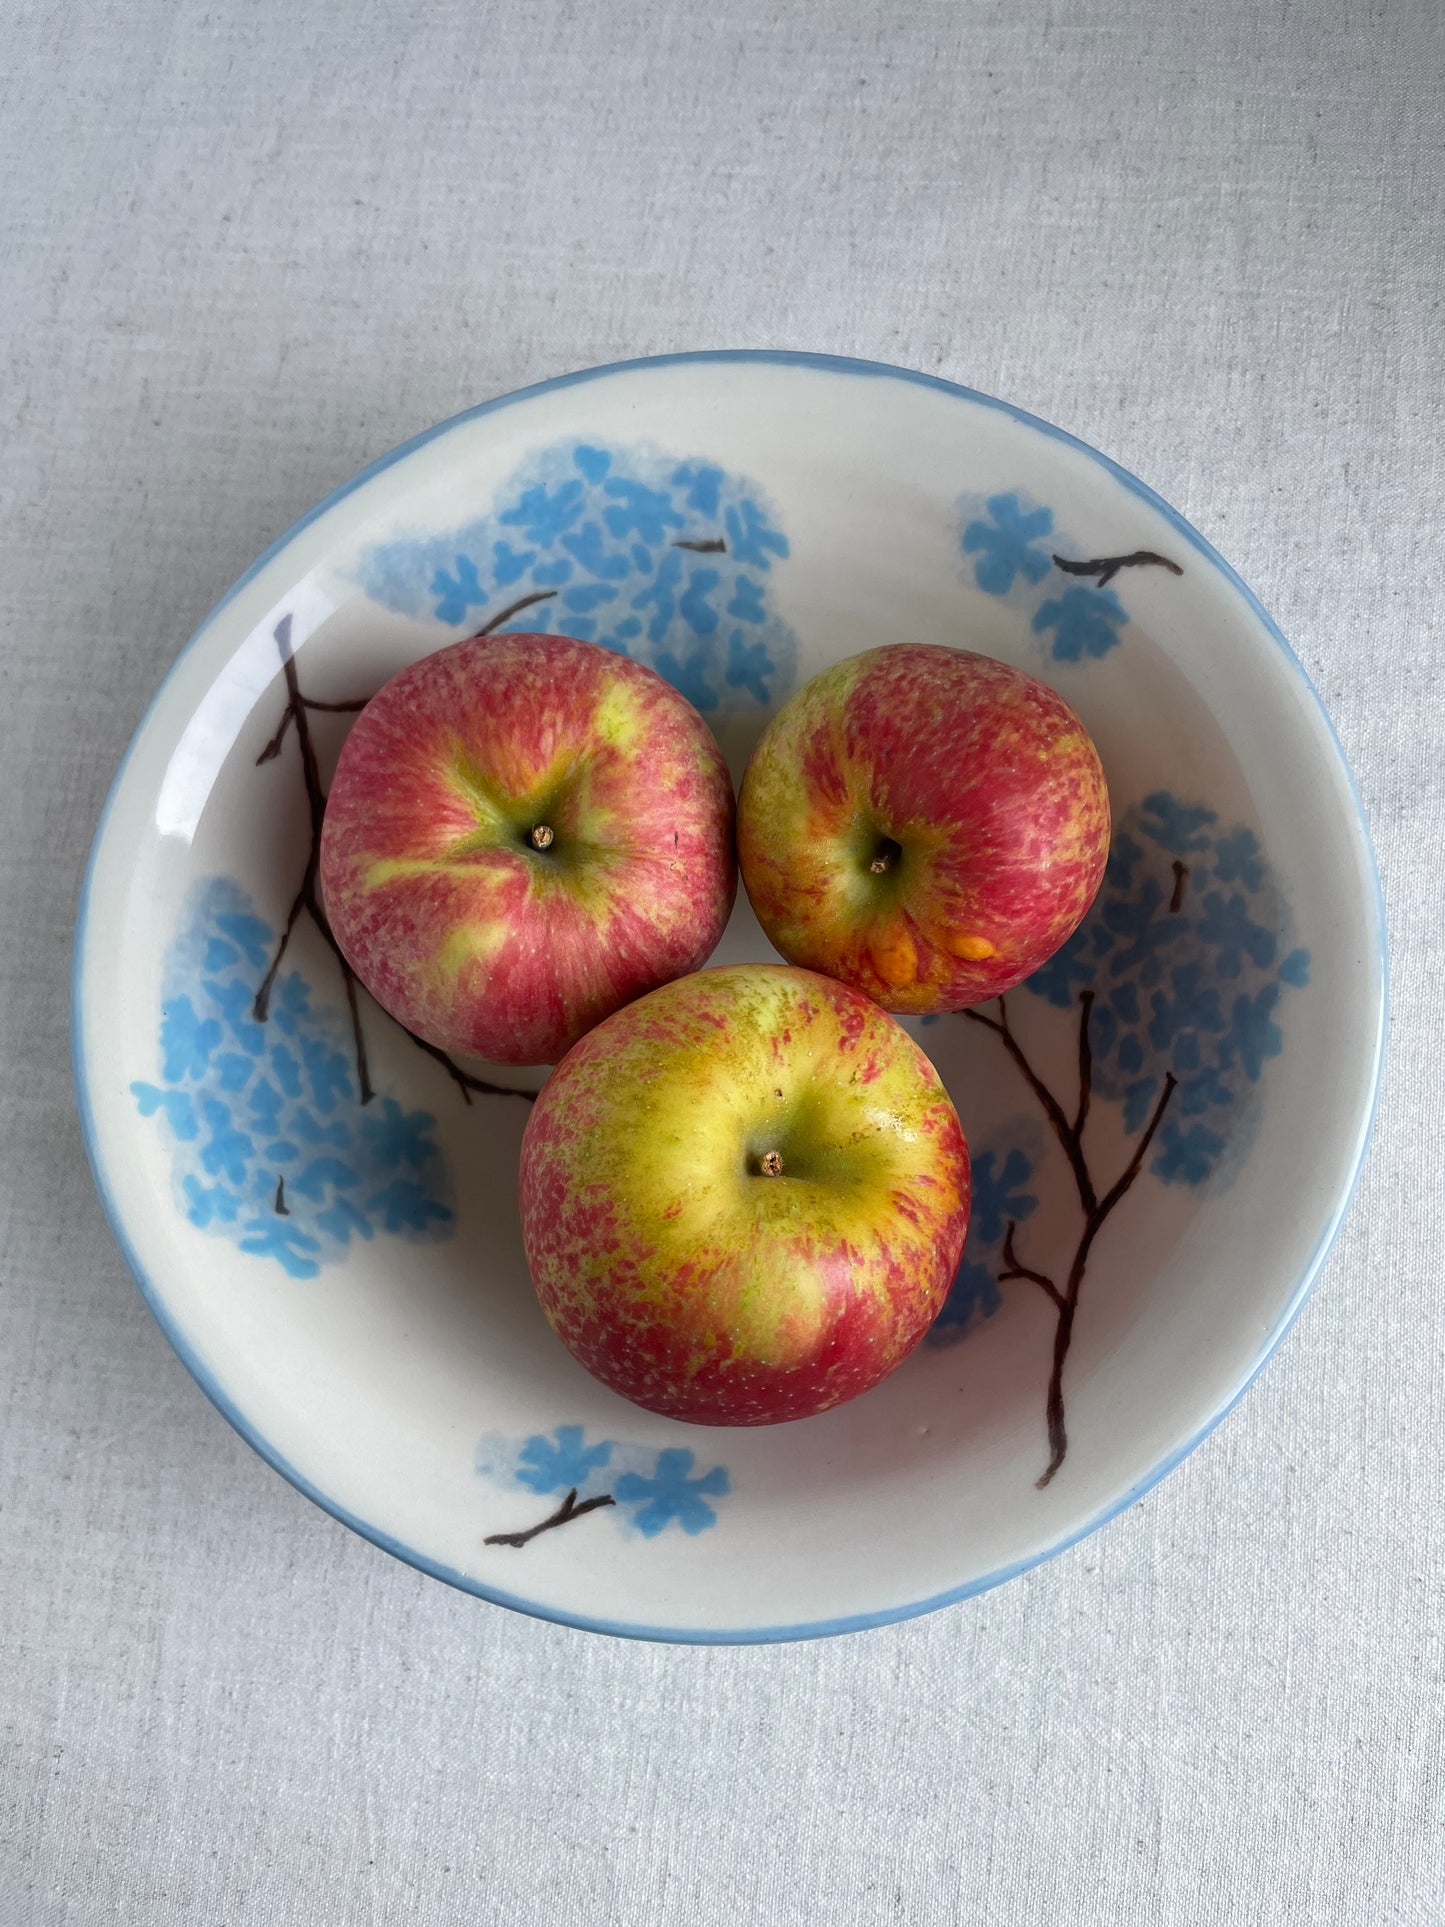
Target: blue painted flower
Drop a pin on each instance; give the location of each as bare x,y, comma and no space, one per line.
998,1195
455,594
999,1178
561,1462
1084,622
689,675
974,1294
187,1040
1186,979
1144,931
226,1151
545,513
750,666
328,1072
701,485
751,536
404,1206
209,1204
1225,923
1253,1036
652,557
1006,543
1070,970
637,509
1237,859
269,1236
395,1136
1194,1006
1186,1155
180,1110
672,1495
253,1161
290,1003
1180,828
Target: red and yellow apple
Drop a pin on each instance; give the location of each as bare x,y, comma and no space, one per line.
524,833
744,1197
925,823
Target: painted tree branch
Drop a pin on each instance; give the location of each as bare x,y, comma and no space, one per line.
307,900
493,623
568,1510
1106,567
1096,1208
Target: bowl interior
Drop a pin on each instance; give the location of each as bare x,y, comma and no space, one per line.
1165,1122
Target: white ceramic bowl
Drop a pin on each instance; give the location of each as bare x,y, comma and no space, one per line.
346,1280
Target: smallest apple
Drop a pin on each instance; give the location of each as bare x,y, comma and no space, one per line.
525,832
924,823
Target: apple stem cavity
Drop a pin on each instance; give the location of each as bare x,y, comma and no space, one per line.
1096,1205
541,836
885,857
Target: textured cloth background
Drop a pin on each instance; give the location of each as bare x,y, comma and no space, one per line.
247,246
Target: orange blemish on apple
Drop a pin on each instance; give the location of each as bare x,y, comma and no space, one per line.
894,956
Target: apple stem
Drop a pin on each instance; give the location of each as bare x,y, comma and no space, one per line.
541,836
887,854
771,1164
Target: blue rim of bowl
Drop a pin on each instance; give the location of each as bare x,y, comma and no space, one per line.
750,1635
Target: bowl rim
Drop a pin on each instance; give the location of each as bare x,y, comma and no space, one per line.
749,1635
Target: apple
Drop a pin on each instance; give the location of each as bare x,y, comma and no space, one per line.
524,833
925,823
744,1197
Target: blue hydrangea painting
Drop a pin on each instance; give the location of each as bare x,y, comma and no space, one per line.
271,1148
1002,1197
646,1492
669,561
1011,548
1174,984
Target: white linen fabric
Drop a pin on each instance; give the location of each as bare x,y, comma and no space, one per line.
249,245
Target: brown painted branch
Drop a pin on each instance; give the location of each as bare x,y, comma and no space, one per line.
1018,1270
1064,1330
1106,567
261,1003
1054,1403
568,1510
1053,1110
713,545
495,622
1135,1164
464,1080
273,748
1181,881
1096,1209
336,709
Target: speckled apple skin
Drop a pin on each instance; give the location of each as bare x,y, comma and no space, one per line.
668,1261
984,780
469,936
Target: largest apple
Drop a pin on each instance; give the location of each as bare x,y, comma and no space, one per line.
744,1197
925,823
524,833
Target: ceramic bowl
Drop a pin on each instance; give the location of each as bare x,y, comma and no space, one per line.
1165,1122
